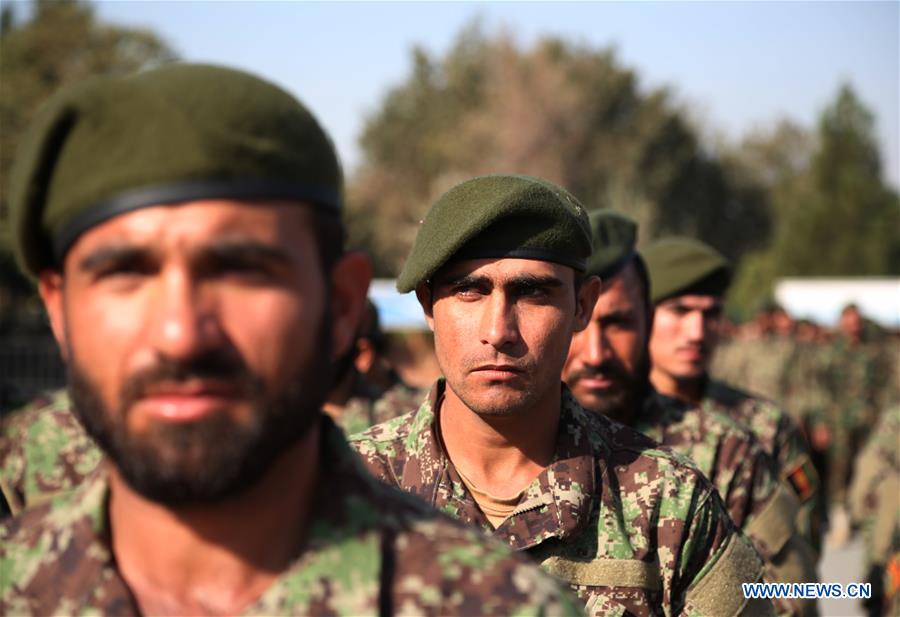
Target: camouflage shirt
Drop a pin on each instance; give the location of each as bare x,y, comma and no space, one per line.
630,527
43,450
745,476
368,406
875,506
780,436
371,549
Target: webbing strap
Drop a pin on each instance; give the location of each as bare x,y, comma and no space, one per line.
719,592
775,524
605,572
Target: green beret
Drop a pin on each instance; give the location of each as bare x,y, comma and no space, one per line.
499,216
183,132
614,236
680,266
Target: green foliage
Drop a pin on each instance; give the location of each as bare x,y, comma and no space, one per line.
558,110
834,214
61,42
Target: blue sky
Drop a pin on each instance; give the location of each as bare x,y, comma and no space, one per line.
736,65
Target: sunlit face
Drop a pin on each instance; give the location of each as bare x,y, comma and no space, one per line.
607,362
502,328
685,335
851,323
198,339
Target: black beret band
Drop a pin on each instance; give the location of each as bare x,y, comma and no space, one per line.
168,194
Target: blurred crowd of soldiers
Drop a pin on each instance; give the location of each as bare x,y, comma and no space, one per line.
834,382
583,449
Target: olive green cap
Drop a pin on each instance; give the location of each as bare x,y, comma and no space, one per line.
679,266
499,216
614,236
110,145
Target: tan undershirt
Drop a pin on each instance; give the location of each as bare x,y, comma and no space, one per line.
496,509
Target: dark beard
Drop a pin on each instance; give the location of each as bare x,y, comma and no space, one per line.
210,460
623,404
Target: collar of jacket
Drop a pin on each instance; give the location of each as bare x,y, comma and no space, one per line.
557,503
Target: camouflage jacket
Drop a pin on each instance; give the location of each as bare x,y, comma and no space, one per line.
858,382
726,454
369,406
371,549
745,476
780,436
875,491
43,450
875,506
630,527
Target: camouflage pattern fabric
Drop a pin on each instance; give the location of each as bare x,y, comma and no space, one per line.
856,377
875,507
632,528
43,450
781,438
759,365
745,476
371,550
368,406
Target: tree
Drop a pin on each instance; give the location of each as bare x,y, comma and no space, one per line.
61,42
834,214
558,110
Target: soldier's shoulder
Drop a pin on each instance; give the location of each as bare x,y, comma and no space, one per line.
445,566
638,461
385,435
744,404
48,539
48,407
397,401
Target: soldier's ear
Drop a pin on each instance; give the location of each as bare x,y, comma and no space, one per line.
350,278
50,287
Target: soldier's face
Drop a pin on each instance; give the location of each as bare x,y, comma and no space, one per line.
685,335
607,363
502,328
199,339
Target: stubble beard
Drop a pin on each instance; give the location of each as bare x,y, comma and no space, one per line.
210,460
624,402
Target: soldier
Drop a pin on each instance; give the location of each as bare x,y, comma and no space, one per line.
855,372
498,267
875,506
689,281
367,389
184,225
607,370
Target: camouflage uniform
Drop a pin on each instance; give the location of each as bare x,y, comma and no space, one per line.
43,450
780,437
368,405
856,378
371,549
758,365
745,476
631,528
875,505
